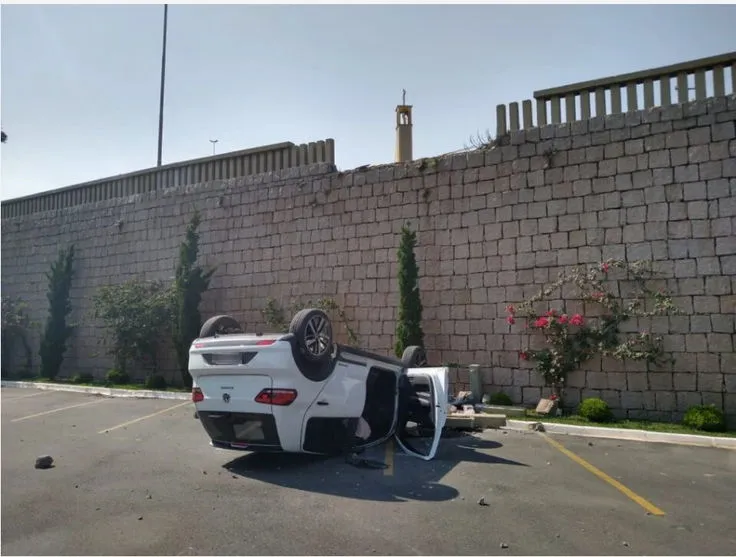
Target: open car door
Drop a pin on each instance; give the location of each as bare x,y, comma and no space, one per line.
427,412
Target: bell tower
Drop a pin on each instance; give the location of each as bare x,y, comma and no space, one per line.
403,131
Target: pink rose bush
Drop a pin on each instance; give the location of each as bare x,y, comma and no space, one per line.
572,339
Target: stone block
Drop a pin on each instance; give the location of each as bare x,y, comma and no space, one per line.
723,131
657,212
720,342
687,173
684,381
698,154
710,382
726,245
699,136
665,401
687,399
729,167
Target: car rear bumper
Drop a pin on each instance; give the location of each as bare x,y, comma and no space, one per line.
241,431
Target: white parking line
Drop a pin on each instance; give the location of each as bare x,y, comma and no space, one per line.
56,410
145,417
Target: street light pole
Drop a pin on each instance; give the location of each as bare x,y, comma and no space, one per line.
213,141
161,100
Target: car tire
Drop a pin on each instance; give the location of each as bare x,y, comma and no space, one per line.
414,356
313,331
220,325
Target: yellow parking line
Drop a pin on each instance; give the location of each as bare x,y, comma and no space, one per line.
56,410
389,460
606,478
26,396
131,422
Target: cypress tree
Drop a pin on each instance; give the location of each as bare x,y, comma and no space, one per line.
409,325
190,283
57,331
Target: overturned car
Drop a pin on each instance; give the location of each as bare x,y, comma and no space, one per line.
303,392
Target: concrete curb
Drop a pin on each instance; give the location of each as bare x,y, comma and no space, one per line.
105,391
628,434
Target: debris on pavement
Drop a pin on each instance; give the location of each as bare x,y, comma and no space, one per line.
482,502
504,546
44,462
536,426
354,460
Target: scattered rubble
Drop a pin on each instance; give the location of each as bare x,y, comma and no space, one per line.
44,462
536,426
482,502
504,546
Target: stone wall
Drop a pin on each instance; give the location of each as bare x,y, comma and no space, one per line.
494,225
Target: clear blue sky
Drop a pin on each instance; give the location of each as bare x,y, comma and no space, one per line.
80,84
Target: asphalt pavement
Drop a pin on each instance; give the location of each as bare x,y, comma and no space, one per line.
138,477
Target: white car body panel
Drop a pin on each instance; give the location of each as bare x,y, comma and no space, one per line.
231,370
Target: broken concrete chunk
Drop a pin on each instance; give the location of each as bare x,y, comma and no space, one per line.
44,462
546,406
536,426
482,502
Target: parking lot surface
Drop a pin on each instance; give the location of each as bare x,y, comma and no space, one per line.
138,477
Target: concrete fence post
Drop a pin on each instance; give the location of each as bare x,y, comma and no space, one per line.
476,382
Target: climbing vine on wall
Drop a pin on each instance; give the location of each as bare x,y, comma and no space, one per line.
276,318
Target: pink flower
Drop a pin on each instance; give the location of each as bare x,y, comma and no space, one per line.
541,322
551,313
553,397
523,355
605,267
563,318
510,320
599,295
576,320
510,309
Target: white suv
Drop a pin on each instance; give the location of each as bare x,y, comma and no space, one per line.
302,392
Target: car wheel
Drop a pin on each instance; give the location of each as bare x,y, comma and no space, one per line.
219,325
414,356
313,332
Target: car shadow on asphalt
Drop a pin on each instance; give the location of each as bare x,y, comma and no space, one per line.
411,479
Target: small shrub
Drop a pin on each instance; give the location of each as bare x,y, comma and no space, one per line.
83,378
117,377
705,418
595,410
155,382
137,315
500,399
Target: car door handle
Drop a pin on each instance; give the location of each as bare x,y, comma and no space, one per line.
322,403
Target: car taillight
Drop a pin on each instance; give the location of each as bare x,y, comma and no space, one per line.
265,342
197,395
278,397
